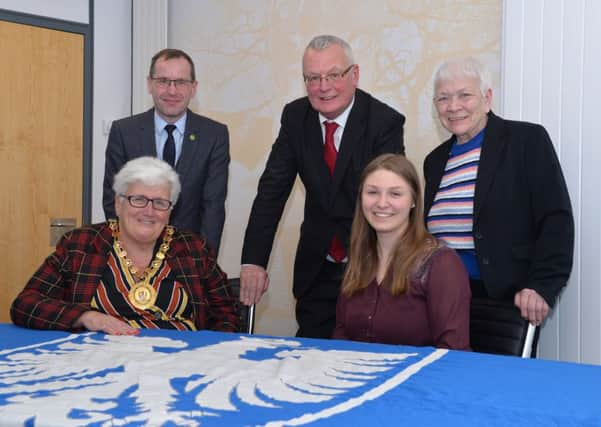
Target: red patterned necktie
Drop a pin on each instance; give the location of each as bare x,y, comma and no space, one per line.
337,251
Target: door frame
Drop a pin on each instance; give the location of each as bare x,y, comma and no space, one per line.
86,30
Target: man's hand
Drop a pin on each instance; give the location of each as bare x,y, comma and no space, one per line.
96,321
533,307
254,281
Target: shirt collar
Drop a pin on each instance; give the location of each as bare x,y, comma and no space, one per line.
160,123
475,142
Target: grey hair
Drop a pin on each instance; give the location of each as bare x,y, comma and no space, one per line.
147,171
464,67
324,41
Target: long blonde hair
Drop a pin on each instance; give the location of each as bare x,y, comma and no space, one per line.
411,248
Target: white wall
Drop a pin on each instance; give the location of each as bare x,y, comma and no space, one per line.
112,83
550,75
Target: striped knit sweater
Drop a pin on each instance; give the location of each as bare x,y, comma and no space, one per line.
452,213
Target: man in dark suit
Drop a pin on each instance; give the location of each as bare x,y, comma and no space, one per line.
495,192
329,159
196,146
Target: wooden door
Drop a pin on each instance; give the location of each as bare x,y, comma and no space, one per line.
41,146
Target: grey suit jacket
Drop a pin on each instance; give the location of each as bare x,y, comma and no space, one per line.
202,168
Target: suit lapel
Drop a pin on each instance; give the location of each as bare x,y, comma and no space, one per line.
351,138
314,140
190,145
492,147
147,136
437,164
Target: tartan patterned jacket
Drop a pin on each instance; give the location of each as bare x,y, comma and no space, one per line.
62,288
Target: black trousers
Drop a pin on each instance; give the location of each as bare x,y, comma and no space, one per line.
316,309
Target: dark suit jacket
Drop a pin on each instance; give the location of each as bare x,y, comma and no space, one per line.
62,288
202,168
372,128
523,226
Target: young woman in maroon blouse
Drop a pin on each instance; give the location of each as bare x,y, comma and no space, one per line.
401,285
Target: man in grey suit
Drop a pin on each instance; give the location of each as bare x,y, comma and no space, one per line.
196,146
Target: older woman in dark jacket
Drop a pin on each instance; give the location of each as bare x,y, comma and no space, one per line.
495,192
132,272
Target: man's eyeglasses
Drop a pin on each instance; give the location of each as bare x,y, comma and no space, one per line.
314,80
139,201
164,83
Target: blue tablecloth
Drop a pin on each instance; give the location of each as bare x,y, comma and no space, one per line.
166,378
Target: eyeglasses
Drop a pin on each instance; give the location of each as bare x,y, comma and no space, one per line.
314,80
444,99
164,83
139,201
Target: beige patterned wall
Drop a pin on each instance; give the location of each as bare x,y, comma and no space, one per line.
248,58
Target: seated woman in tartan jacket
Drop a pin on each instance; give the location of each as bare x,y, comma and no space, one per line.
132,272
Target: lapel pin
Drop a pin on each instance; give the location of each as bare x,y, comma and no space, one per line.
192,137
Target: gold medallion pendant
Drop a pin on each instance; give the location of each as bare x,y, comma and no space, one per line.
142,295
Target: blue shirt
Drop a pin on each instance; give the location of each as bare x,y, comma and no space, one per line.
160,135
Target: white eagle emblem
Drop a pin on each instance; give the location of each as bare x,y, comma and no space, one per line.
102,380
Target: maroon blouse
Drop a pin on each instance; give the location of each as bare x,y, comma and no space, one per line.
434,312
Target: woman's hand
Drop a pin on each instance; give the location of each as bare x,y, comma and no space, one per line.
532,306
96,321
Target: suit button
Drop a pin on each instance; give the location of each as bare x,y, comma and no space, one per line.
478,235
485,261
